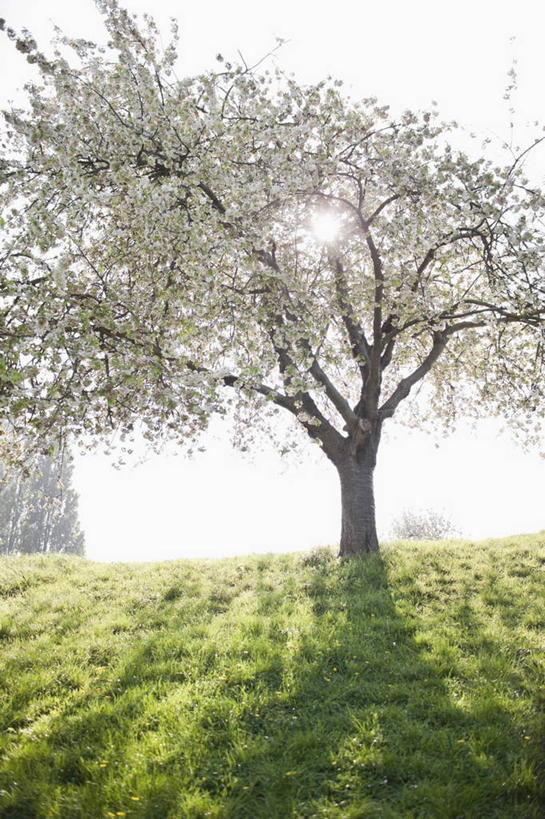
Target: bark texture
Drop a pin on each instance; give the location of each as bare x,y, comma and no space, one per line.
356,468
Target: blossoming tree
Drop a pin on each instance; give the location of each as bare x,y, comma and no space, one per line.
170,245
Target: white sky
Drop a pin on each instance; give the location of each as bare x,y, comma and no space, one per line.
406,54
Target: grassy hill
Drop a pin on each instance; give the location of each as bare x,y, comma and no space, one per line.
409,684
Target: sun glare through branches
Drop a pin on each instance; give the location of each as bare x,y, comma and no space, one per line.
326,226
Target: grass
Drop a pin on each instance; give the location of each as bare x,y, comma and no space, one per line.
409,684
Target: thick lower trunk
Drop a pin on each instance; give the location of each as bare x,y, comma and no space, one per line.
358,532
356,467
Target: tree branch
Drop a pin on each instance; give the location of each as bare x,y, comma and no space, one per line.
388,352
381,207
321,430
405,385
447,239
217,204
358,342
534,318
373,381
340,403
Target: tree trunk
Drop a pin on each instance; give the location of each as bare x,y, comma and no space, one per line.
358,532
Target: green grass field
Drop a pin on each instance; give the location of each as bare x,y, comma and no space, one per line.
409,684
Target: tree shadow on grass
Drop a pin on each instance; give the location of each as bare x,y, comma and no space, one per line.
347,712
370,725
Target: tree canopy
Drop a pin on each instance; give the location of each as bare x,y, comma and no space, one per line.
172,245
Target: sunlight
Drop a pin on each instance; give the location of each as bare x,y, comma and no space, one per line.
326,226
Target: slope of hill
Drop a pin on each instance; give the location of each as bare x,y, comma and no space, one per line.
408,684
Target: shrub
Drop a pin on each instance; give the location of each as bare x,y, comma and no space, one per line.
423,524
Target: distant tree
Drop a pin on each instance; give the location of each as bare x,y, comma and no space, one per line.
423,524
39,511
171,244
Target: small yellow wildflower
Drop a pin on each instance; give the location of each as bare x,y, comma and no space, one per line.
135,798
290,773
